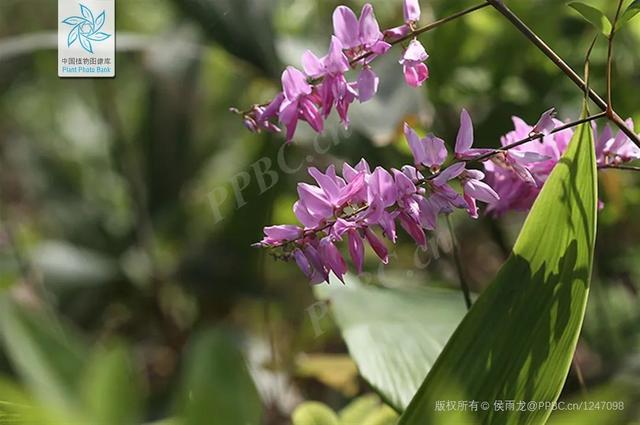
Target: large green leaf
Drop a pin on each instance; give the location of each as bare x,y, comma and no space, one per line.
394,335
518,340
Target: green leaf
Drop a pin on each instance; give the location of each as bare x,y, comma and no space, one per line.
394,335
593,16
314,413
517,341
629,13
110,388
216,382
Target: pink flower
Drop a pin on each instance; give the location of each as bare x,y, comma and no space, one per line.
297,103
411,10
359,36
621,148
415,71
546,123
476,190
429,151
276,235
464,140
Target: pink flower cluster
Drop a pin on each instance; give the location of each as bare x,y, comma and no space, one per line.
517,174
311,94
361,204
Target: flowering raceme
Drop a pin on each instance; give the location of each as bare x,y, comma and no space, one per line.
311,95
363,207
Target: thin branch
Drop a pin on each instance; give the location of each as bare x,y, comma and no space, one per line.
610,55
619,167
541,135
564,67
426,28
466,292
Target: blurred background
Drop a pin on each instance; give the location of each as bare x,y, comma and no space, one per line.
130,292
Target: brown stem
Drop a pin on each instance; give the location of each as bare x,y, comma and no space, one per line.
564,67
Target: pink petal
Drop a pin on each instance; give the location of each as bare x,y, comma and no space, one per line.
411,10
546,123
415,144
345,26
294,83
367,84
381,186
312,65
377,246
435,151
415,52
368,26
336,62
356,249
464,141
332,258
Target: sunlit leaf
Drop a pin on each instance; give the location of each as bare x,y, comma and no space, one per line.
394,335
629,13
593,16
517,341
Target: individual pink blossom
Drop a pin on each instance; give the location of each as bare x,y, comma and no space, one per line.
620,148
411,10
281,234
476,190
429,151
464,140
415,71
359,36
297,103
367,84
546,123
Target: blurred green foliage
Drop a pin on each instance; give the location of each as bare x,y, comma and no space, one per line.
128,206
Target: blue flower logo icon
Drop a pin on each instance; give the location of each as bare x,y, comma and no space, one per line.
86,29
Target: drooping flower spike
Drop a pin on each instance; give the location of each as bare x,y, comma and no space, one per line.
356,42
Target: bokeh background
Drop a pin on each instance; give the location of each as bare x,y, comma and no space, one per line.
128,206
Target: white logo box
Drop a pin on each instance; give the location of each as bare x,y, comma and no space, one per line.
86,38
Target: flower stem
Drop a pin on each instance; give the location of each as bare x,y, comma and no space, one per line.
541,135
428,27
619,167
458,262
564,67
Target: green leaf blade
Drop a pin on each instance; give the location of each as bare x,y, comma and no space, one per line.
594,16
518,340
395,346
630,12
